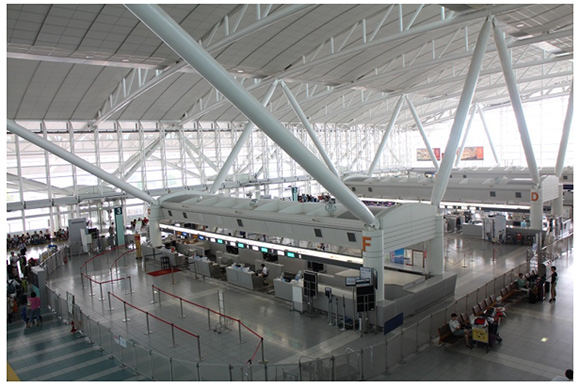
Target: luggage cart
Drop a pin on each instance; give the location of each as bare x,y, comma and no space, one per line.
480,336
485,331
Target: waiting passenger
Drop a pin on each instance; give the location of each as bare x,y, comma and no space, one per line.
458,330
522,283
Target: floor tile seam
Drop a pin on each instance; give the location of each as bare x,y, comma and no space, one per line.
20,331
73,368
58,359
58,346
38,334
20,347
540,315
495,356
103,373
319,348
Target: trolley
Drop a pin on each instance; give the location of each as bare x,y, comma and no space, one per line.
485,329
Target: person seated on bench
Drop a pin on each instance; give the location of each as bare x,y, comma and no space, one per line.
522,283
458,330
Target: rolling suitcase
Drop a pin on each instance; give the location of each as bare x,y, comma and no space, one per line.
533,296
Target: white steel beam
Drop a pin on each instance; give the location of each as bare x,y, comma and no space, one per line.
565,135
482,116
442,178
245,135
516,102
422,29
202,155
185,46
77,161
422,132
133,90
308,128
465,134
386,136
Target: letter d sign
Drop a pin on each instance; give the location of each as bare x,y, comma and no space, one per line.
535,196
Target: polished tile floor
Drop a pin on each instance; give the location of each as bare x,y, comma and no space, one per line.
538,338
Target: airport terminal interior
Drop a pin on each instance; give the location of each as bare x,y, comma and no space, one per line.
289,192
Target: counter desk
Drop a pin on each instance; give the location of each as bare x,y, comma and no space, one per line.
244,277
204,267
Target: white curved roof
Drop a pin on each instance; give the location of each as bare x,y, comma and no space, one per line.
343,62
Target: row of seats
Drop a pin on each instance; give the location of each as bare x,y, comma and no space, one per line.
445,335
510,290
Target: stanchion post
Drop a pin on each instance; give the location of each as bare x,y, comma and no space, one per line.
153,294
240,330
173,334
110,307
200,358
181,307
264,360
402,341
82,279
125,309
101,287
208,320
147,319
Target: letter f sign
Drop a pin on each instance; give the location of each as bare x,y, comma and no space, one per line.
366,242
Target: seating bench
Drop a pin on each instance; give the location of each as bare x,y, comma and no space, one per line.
446,336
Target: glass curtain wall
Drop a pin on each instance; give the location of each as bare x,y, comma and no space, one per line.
160,157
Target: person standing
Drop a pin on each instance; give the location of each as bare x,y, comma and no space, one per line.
34,304
553,282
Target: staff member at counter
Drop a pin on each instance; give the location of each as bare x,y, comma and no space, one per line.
264,271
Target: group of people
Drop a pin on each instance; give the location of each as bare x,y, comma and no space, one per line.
491,318
28,306
525,284
463,330
143,222
21,241
18,300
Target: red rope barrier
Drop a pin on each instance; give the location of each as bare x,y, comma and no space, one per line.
155,317
219,314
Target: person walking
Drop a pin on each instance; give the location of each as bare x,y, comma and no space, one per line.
553,282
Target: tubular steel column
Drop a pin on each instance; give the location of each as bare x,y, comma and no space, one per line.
79,162
184,45
221,177
308,127
386,135
462,109
465,134
565,136
422,131
487,133
512,86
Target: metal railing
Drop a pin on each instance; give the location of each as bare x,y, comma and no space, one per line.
222,319
350,365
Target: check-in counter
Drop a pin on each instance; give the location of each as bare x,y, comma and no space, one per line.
275,270
204,267
244,277
226,259
189,249
475,230
283,289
